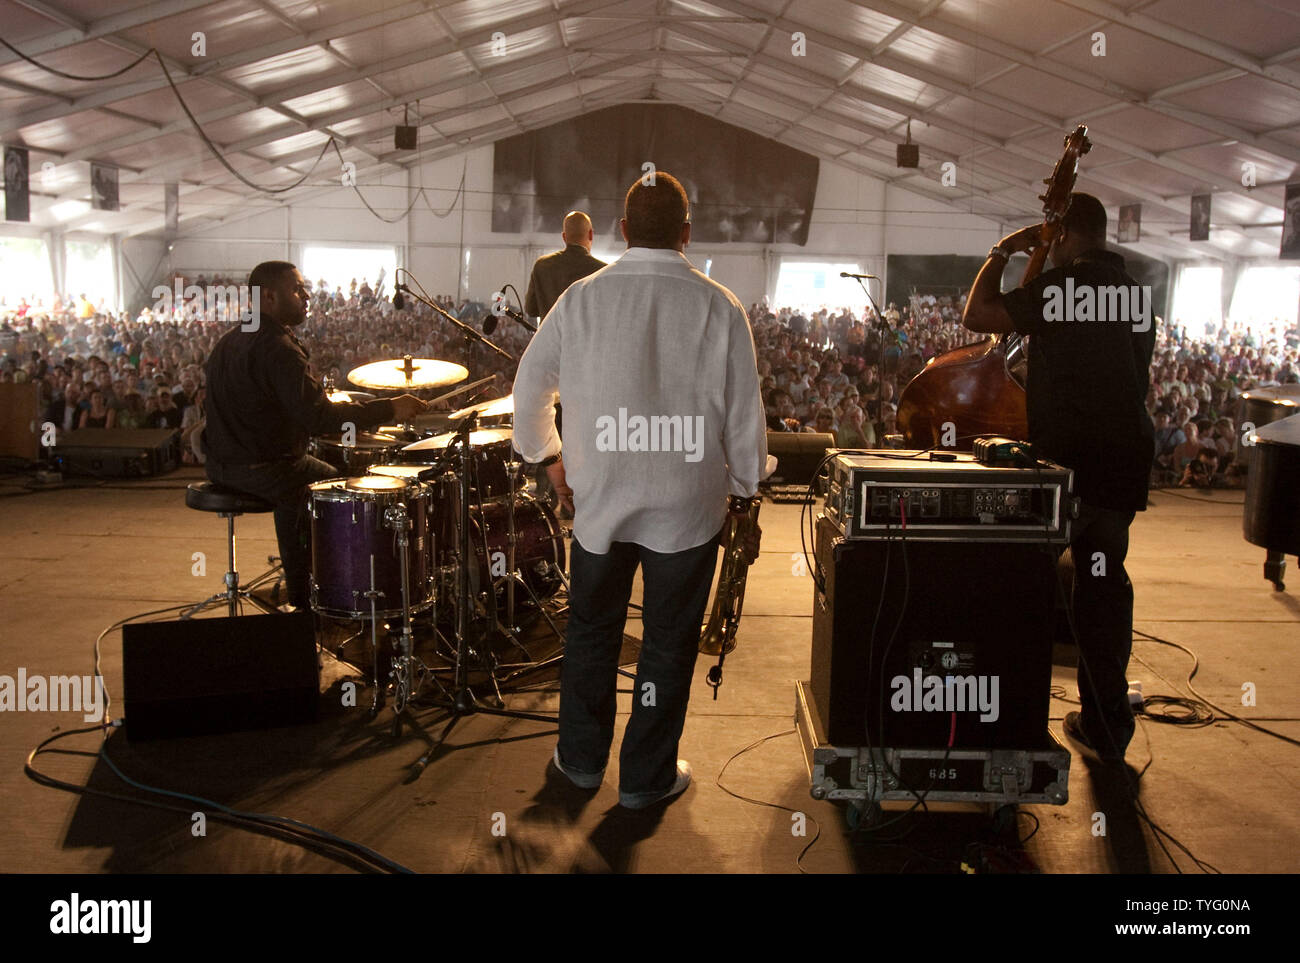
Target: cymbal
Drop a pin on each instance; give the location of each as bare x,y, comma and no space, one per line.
344,397
488,409
392,375
484,436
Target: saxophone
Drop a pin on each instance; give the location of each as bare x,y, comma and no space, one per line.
719,636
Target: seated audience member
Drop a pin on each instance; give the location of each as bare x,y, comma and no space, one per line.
98,415
167,414
132,414
855,431
823,422
1201,470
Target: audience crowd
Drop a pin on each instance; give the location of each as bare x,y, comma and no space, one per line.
96,369
832,371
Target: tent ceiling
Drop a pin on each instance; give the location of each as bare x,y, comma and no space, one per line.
1188,91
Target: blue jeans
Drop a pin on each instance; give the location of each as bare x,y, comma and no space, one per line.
286,484
676,592
1103,619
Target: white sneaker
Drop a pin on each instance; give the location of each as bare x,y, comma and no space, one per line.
644,800
583,780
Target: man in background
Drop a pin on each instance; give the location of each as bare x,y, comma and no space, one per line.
552,273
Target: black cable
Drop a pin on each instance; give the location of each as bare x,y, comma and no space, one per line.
66,76
306,830
1196,665
762,802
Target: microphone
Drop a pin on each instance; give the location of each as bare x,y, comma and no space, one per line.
846,274
399,302
501,308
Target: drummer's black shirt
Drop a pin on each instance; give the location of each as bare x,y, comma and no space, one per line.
264,403
1088,382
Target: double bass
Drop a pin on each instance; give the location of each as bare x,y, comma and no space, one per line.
980,387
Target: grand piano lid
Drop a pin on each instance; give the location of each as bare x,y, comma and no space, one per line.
1285,431
1286,395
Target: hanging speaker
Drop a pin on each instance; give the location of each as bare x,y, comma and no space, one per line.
202,676
908,155
404,137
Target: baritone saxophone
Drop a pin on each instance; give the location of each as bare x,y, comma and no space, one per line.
719,636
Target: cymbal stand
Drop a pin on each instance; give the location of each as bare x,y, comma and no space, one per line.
462,702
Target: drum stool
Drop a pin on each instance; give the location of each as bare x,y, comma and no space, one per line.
228,503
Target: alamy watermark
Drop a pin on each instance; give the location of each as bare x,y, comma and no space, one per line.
55,693
684,433
1127,304
953,693
76,916
227,301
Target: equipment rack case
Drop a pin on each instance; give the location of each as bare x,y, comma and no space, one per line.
998,777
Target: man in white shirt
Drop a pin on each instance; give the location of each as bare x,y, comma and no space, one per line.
656,367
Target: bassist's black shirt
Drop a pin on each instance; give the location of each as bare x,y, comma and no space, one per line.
1088,379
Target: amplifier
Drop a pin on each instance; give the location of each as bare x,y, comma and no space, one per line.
923,643
196,677
117,452
948,496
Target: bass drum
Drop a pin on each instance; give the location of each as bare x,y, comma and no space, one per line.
349,528
539,551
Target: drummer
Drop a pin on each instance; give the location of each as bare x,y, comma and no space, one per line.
264,404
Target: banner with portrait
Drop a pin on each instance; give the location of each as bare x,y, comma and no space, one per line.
741,186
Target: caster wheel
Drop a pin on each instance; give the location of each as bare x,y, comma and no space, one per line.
1004,820
861,815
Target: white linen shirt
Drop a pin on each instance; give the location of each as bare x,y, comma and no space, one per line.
647,337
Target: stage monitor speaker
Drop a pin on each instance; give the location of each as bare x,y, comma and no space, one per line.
797,453
117,452
897,620
404,137
909,155
203,676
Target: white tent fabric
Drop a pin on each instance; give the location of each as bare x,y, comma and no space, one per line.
1181,96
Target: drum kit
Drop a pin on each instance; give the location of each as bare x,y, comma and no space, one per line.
437,531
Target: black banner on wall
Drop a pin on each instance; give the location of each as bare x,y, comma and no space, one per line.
17,199
103,187
742,187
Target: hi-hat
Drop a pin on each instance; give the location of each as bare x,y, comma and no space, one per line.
494,408
408,373
341,397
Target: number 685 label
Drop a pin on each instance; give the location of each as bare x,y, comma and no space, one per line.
943,773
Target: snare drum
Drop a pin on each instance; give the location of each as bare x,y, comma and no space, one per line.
490,452
349,526
371,447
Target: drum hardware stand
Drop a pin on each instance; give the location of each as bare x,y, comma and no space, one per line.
461,702
377,696
406,679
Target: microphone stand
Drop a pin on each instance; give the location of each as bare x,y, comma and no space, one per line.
470,333
880,326
461,702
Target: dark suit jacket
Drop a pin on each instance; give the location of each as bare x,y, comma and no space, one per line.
555,272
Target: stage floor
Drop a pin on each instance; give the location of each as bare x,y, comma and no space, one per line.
78,559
